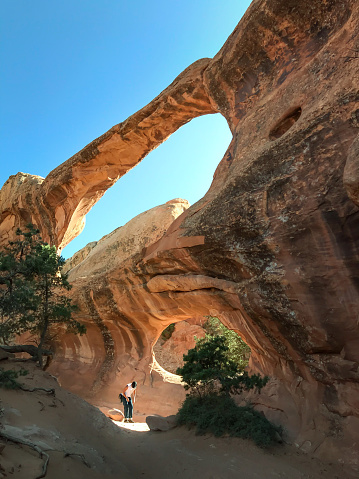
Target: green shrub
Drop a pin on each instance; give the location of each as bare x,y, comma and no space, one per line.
238,351
31,287
167,333
8,378
211,374
208,368
219,415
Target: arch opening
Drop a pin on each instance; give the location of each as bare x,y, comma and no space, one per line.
181,167
178,338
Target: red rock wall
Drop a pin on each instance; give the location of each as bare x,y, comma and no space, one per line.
169,351
272,248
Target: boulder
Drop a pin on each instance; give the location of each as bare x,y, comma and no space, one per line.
159,423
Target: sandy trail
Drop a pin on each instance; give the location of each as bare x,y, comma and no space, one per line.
180,453
82,443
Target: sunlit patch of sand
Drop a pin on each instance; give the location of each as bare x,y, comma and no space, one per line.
136,426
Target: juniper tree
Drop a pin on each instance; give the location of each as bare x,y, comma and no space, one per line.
32,286
212,374
238,351
208,369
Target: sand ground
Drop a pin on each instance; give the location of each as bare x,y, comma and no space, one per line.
179,453
82,443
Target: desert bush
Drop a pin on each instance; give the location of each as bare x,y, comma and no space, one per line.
211,375
8,378
238,351
167,333
208,368
219,415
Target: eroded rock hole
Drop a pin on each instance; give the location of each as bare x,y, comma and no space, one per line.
178,338
285,123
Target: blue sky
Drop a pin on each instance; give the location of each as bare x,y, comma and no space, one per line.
70,70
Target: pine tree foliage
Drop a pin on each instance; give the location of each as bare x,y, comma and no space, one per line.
167,332
238,351
8,378
31,290
208,368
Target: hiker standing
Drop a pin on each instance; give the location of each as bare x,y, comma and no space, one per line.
126,399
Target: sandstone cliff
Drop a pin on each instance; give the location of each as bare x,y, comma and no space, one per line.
271,249
117,348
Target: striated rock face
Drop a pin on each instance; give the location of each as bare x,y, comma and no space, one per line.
115,248
272,248
117,348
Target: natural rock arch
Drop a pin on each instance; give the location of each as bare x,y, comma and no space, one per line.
271,249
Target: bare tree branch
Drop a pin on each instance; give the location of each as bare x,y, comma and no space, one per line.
68,454
25,348
31,390
24,442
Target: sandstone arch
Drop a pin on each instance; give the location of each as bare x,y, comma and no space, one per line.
272,248
59,203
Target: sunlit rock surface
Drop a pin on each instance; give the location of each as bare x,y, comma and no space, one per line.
58,204
271,249
117,348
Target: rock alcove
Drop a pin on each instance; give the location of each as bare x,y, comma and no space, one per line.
178,338
285,123
175,341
